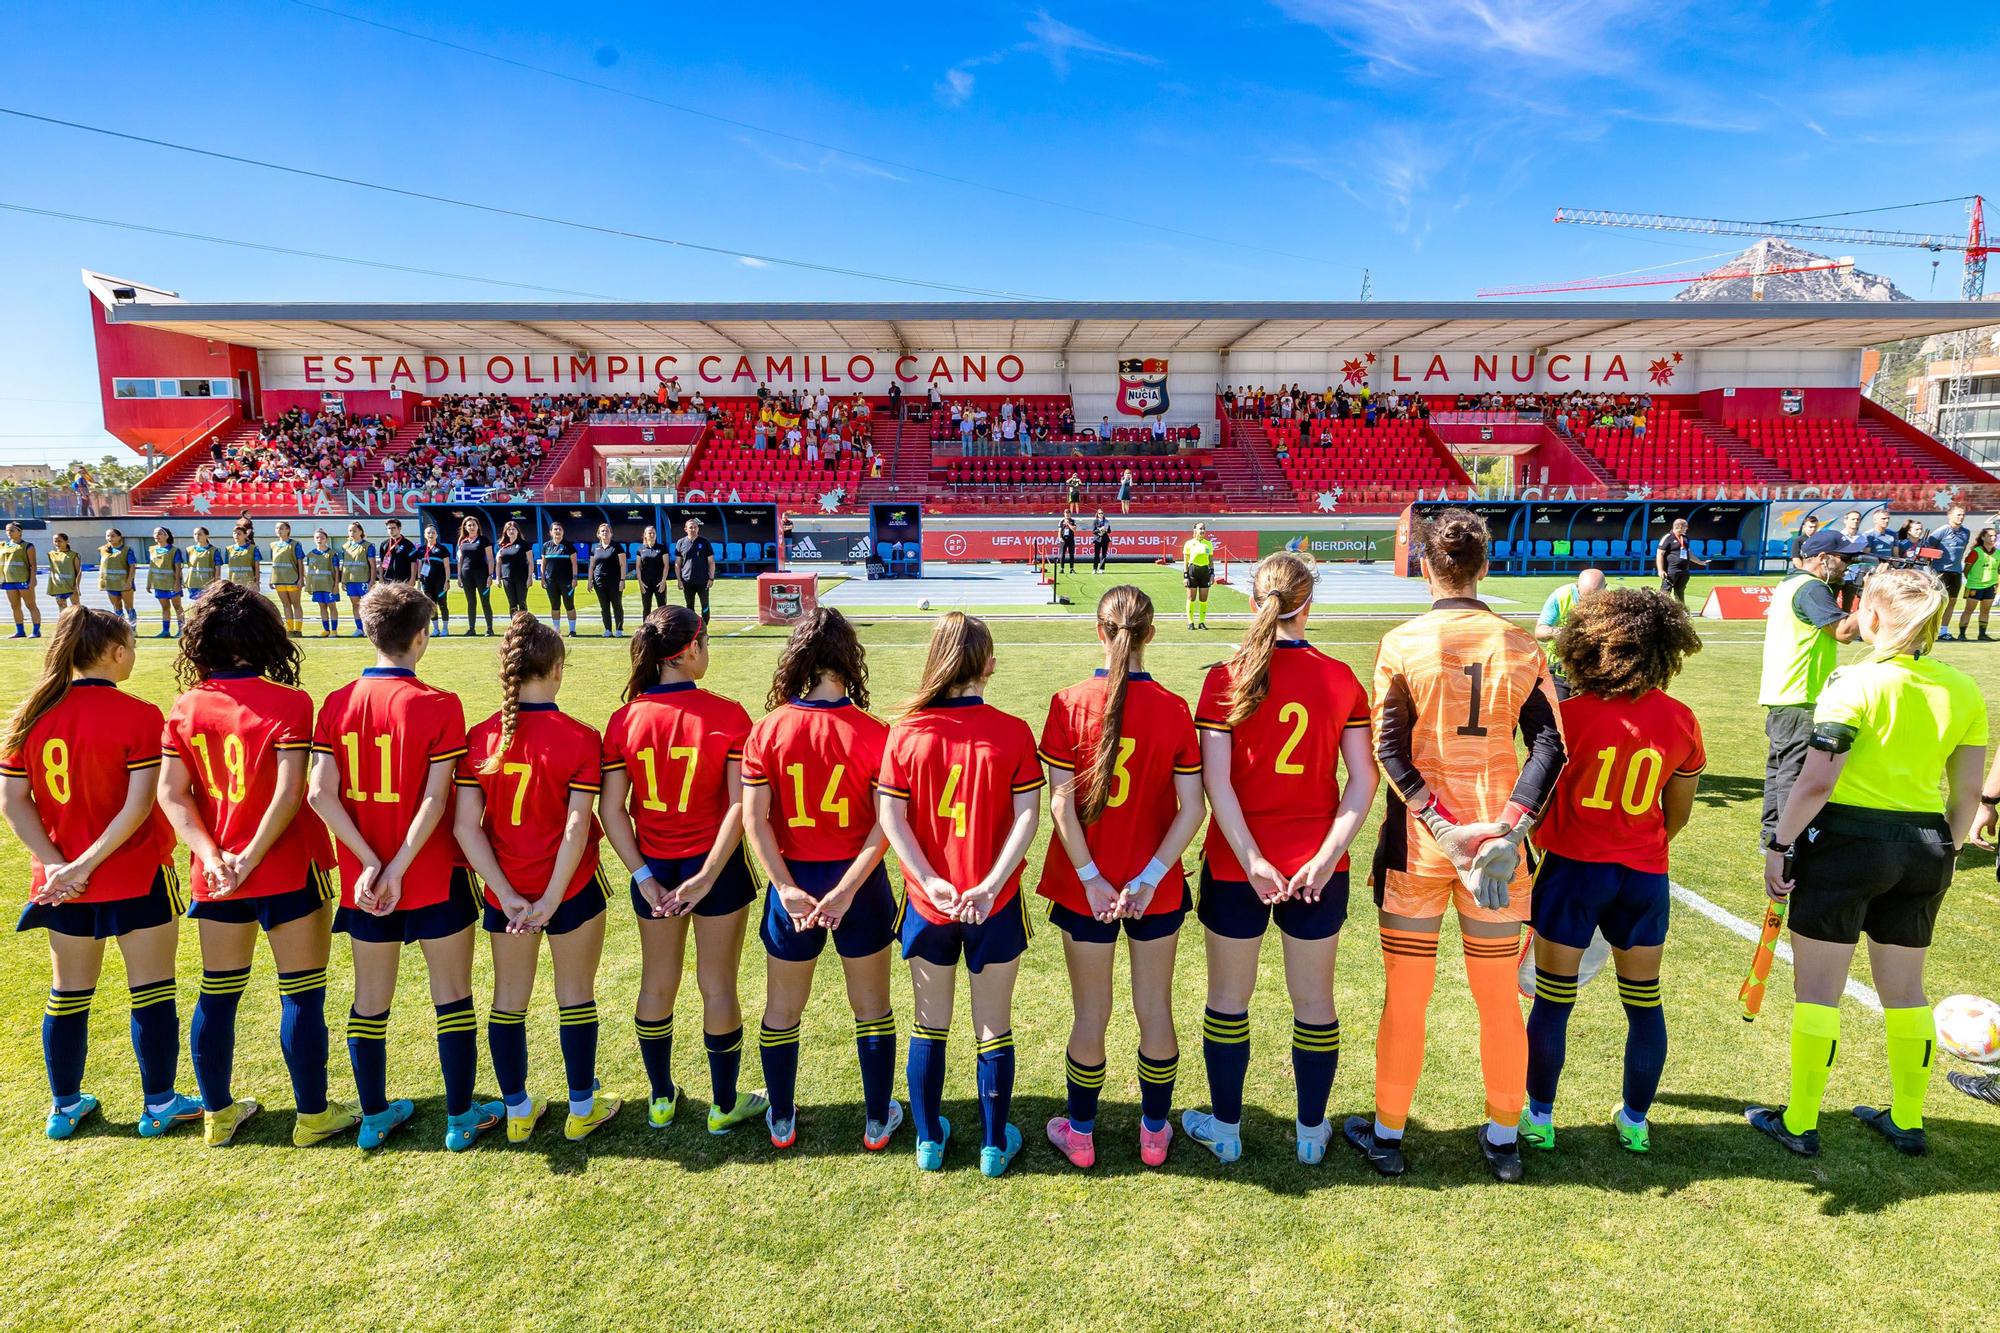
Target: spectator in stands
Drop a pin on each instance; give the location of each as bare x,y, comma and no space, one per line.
1126,481
933,396
895,410
1104,431
1075,487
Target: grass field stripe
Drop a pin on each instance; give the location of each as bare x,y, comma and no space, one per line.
1736,925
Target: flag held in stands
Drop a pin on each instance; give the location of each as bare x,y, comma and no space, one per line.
1142,386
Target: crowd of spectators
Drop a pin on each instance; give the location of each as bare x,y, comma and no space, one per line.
812,425
1006,427
298,449
1570,413
477,442
1339,403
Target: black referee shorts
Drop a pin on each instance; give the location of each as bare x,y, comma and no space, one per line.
1874,872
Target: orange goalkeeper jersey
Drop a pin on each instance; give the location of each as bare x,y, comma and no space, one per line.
1452,687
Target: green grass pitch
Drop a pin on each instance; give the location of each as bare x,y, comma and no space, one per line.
1716,1229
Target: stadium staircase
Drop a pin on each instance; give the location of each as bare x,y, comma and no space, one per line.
1247,472
552,464
908,469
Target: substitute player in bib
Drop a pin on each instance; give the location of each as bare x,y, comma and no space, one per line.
115,575
1125,783
1198,557
288,576
244,558
1620,801
1982,574
1278,721
65,572
1452,689
357,572
673,810
960,799
77,766
236,748
165,574
525,819
809,811
323,582
384,748
1866,844
204,564
18,566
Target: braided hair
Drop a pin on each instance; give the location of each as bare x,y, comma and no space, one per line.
530,651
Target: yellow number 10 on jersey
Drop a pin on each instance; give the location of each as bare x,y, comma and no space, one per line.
1642,780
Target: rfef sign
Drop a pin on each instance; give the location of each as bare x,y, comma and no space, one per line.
1738,603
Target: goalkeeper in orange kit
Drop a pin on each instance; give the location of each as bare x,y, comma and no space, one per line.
1452,689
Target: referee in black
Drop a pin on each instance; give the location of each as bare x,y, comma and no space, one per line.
1100,543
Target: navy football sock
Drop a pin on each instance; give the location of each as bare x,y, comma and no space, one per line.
212,1034
1156,1088
656,1052
458,1053
875,1047
1315,1060
1548,1037
302,1036
778,1048
996,1088
368,1052
507,1044
1645,1043
65,1042
725,1062
1085,1084
576,1032
1225,1049
156,1038
926,1079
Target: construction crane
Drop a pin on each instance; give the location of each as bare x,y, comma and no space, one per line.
1973,246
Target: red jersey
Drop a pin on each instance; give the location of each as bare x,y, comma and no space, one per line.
675,741
1284,759
384,732
1156,741
959,764
79,760
820,756
229,731
1607,802
553,757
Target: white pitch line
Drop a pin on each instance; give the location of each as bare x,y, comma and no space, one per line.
1736,925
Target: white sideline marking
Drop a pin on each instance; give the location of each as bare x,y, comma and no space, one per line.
1737,926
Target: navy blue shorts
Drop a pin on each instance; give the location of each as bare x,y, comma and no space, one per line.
579,909
1001,938
357,590
326,598
458,910
735,888
867,928
102,921
1573,899
1232,909
15,587
271,910
1089,930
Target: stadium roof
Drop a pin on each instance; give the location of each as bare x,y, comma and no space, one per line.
1084,326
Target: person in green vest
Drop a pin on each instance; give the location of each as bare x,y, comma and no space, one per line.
18,564
65,572
245,560
357,570
1803,631
114,575
287,576
1982,572
323,582
165,570
204,563
1556,612
1198,554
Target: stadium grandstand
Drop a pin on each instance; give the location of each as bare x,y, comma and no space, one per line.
1189,408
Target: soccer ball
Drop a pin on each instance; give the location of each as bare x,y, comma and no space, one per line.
1969,1027
924,605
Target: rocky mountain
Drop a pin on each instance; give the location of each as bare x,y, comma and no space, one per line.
1822,284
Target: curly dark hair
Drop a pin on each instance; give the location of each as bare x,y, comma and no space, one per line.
231,627
823,641
1622,642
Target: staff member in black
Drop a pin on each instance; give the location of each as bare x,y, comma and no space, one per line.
434,576
607,580
475,573
514,560
1671,561
652,562
694,565
558,567
398,555
1066,538
1100,543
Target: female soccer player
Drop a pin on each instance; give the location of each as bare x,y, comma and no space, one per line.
18,566
384,748
1982,572
673,810
65,572
165,564
526,788
233,786
204,564
1278,720
323,582
433,567
475,573
1866,845
652,571
607,580
246,561
1124,770
1452,688
287,577
960,800
76,785
556,561
115,574
514,559
808,808
357,572
1629,790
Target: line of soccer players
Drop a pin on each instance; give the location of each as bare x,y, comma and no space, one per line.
435,830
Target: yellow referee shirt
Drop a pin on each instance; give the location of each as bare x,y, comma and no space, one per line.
1198,552
1909,714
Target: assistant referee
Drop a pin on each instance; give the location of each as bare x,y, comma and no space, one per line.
1803,631
1198,555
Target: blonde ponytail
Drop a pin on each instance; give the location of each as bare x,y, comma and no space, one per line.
83,636
960,648
1282,586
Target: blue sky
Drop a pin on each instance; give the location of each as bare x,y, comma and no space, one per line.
1257,149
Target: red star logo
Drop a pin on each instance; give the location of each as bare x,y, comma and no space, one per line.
1371,358
1677,358
1661,371
1352,370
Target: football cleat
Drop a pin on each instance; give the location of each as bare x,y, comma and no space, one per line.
180,1111
337,1118
219,1127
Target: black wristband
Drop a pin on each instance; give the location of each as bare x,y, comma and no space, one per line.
1984,799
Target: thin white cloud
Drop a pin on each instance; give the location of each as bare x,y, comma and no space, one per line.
956,87
1417,37
1049,37
751,261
